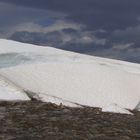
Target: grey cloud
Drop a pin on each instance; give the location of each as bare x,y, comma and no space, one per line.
101,14
128,35
57,36
130,53
38,38
12,15
51,39
109,25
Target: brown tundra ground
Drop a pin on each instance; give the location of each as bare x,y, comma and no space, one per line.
34,120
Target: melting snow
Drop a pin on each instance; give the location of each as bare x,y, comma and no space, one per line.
116,108
8,91
70,78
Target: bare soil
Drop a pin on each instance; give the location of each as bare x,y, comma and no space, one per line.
35,120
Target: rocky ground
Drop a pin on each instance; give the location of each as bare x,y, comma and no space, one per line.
35,120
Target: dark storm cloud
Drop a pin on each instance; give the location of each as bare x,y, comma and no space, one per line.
129,35
38,38
96,14
12,15
110,28
67,38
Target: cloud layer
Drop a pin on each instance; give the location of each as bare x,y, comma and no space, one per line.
109,28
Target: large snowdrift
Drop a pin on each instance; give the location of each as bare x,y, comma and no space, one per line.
10,92
70,78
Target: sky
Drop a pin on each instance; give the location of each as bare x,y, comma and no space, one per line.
106,28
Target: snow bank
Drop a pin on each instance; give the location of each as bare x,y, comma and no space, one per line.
71,78
8,91
116,108
138,107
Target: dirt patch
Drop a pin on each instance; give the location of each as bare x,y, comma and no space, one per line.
34,120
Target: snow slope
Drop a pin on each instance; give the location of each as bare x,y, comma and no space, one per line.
8,91
70,78
115,108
